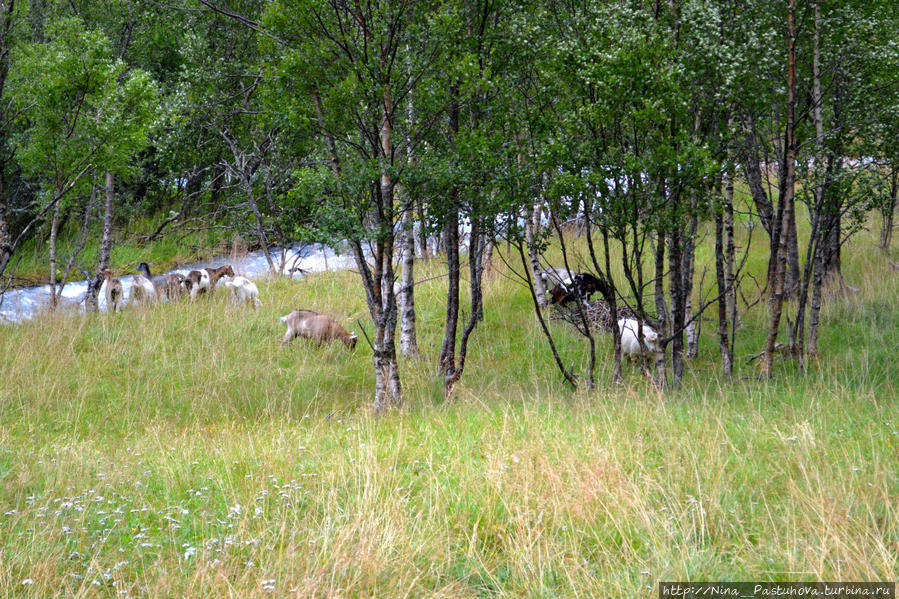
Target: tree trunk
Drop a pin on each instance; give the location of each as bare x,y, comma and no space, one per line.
721,280
54,230
827,237
487,257
661,309
476,266
814,318
693,329
422,230
613,309
451,241
828,222
451,237
774,243
408,338
475,271
833,269
85,228
532,231
678,306
753,171
730,253
382,305
387,381
5,237
786,201
886,228
93,288
791,285
787,229
824,220
776,284
814,263
608,289
771,222
388,390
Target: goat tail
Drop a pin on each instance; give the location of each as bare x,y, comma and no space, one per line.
283,319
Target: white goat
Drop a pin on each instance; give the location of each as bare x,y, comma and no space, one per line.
142,291
244,290
630,342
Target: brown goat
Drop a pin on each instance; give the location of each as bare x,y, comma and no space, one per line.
173,286
115,293
217,273
319,327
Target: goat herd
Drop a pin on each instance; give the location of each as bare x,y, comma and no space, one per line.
147,289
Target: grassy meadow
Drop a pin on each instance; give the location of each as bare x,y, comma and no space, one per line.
178,451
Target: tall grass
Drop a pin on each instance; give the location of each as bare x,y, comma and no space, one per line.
179,451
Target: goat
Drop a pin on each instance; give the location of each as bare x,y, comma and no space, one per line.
174,286
160,283
115,293
630,341
582,286
217,273
142,291
244,290
315,326
196,282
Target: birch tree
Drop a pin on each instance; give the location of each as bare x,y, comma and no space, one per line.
346,60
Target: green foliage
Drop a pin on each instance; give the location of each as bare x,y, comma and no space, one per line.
79,106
